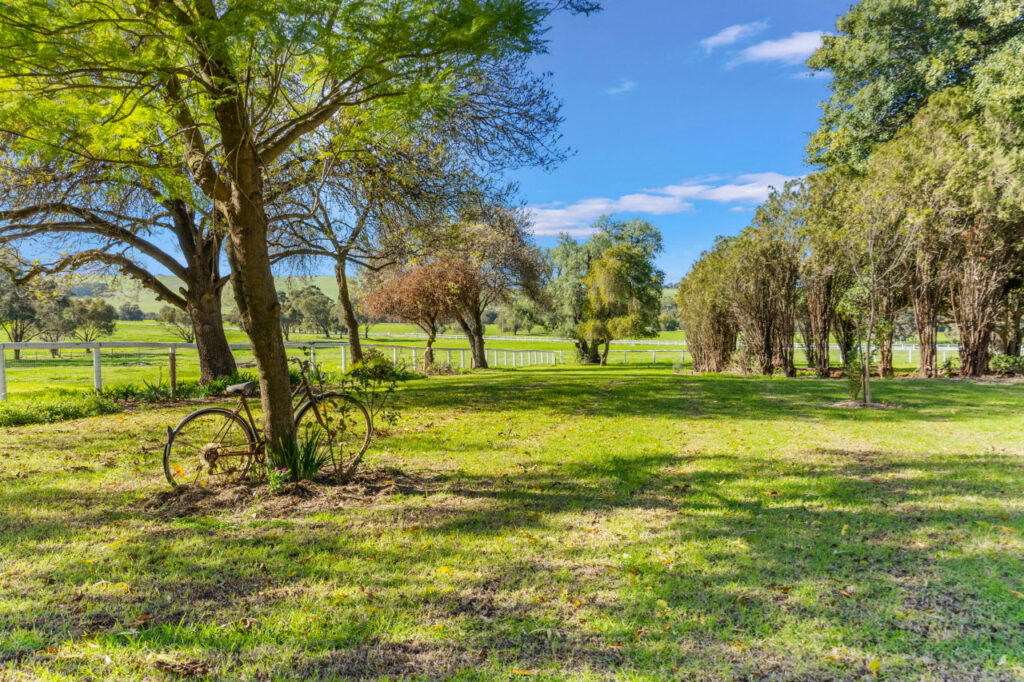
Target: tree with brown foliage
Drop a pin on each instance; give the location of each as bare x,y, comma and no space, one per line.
421,295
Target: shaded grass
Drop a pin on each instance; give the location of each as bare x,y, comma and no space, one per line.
577,523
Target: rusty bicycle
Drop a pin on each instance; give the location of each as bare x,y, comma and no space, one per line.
219,444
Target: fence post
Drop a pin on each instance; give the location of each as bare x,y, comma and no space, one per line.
462,359
561,357
172,371
414,359
3,373
344,360
504,356
394,355
654,357
449,358
97,373
312,354
910,356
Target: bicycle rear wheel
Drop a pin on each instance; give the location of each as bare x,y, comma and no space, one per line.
343,425
211,445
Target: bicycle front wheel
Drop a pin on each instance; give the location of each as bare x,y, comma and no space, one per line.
211,445
343,425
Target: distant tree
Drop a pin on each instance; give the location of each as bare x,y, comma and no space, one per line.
623,297
668,320
178,321
493,259
130,312
18,313
54,314
291,316
92,318
421,295
570,261
517,314
317,310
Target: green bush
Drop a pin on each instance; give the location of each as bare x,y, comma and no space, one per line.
302,457
60,406
1007,364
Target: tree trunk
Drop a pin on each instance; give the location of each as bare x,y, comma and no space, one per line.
215,357
885,368
846,336
349,313
253,285
820,311
476,343
428,353
604,351
926,319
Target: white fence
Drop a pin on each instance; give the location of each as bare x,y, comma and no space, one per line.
455,357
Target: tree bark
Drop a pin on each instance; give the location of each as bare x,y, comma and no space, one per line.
604,351
926,319
428,353
215,357
349,313
820,310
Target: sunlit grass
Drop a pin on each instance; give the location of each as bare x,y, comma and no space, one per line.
574,523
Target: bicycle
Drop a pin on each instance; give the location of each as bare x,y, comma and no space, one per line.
215,444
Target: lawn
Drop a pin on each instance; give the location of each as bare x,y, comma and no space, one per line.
579,523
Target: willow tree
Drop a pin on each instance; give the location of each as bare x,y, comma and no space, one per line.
230,88
623,297
570,262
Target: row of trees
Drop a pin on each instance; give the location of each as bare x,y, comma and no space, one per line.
918,204
182,132
45,312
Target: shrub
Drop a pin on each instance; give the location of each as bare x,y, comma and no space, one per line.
61,406
372,382
1007,364
302,457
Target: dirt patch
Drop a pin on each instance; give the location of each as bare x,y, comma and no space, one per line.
856,404
303,498
391,660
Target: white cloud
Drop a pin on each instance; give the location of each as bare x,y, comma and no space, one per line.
747,190
625,85
792,50
732,34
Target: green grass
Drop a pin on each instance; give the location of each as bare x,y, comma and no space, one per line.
582,523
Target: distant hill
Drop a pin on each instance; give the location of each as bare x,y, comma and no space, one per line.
117,291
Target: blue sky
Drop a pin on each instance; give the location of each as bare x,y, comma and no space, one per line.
679,112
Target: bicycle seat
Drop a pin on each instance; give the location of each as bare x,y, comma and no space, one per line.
245,389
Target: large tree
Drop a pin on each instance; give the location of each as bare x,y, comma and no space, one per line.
623,297
570,262
889,56
102,215
232,89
